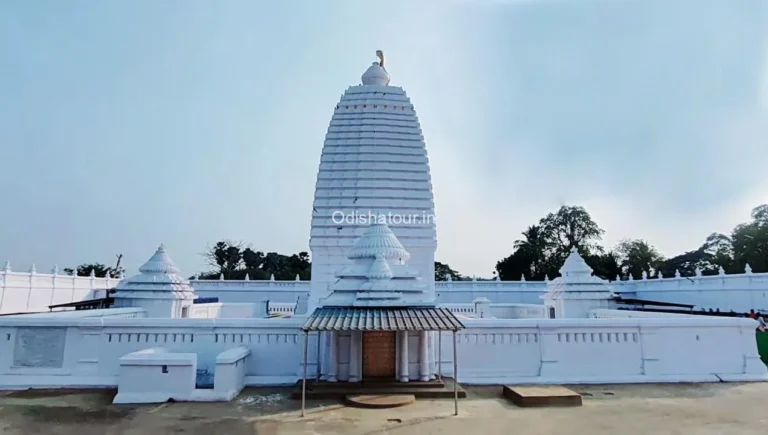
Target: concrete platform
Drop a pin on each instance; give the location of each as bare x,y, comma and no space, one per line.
541,396
380,401
338,390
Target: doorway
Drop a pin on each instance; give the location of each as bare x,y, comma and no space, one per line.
379,354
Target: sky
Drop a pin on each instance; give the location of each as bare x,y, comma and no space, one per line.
124,125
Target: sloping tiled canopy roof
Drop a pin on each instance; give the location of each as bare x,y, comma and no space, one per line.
382,319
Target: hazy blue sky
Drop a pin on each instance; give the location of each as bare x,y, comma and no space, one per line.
126,124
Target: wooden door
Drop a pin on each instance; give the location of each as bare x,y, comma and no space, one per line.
379,354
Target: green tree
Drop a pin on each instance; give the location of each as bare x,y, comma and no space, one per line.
536,248
687,263
442,271
572,226
515,266
226,256
235,262
99,270
750,241
638,256
605,266
544,247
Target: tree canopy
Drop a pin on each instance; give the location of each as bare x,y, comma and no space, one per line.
443,271
235,261
99,270
545,245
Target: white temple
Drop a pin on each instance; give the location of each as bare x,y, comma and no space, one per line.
372,309
373,168
158,288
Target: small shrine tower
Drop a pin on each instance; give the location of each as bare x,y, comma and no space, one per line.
576,291
158,288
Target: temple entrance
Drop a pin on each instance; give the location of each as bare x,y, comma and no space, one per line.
379,354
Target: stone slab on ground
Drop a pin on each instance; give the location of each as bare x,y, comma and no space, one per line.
541,395
377,401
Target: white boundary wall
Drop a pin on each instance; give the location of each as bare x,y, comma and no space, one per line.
738,292
60,352
44,352
28,292
575,351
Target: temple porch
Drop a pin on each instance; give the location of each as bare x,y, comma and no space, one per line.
368,348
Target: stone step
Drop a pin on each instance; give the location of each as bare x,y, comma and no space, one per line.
376,383
541,396
338,390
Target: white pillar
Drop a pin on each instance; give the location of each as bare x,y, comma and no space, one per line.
354,356
322,355
403,356
432,356
424,356
333,366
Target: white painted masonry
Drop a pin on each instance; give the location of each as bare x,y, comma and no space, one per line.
28,292
573,351
694,349
374,163
739,292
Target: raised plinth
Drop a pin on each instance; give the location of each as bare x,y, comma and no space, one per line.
544,395
380,401
339,390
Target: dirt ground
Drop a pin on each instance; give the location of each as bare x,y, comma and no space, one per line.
689,409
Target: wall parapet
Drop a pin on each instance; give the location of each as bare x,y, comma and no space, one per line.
609,350
24,292
42,352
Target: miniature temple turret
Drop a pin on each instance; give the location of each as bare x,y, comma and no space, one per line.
576,291
379,275
158,288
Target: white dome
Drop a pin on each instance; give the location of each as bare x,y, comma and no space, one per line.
379,240
376,75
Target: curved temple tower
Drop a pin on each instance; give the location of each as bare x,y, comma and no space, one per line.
373,169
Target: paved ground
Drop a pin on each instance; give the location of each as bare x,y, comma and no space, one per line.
720,409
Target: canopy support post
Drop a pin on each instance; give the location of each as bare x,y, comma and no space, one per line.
304,378
455,377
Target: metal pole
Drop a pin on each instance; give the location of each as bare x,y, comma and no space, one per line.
455,377
319,340
440,355
304,380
